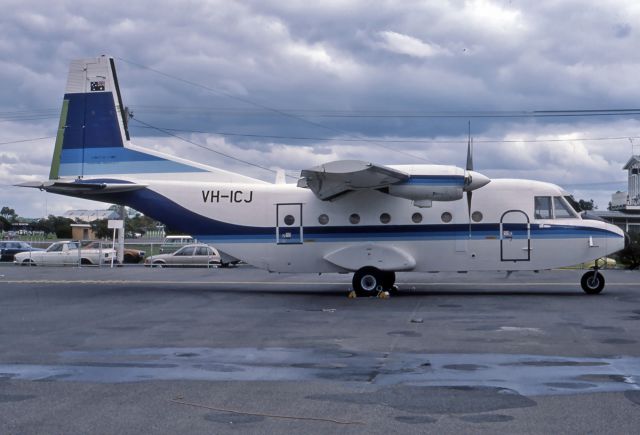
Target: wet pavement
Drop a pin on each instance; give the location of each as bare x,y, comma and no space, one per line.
133,350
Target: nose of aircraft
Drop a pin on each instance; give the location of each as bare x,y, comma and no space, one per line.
475,180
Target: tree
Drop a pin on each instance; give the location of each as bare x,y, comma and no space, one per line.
58,225
5,225
8,213
100,229
586,205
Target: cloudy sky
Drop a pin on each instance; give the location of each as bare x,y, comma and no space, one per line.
290,84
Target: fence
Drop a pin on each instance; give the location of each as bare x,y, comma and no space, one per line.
96,253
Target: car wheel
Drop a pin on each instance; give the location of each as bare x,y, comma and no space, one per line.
157,264
85,262
28,262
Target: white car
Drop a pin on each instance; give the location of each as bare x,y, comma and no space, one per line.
188,256
66,254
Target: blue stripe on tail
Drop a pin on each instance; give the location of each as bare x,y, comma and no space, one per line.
93,144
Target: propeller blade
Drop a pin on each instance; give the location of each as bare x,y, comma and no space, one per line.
469,197
470,151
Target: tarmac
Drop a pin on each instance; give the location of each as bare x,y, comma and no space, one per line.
239,350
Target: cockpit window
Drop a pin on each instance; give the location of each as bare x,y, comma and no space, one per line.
573,203
562,209
543,207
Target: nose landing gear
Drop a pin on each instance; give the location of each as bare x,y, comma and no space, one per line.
592,282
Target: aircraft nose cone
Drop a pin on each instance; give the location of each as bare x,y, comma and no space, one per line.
475,180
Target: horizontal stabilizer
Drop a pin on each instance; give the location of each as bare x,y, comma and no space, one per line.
334,178
76,188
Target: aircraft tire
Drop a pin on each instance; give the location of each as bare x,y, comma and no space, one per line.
368,281
592,282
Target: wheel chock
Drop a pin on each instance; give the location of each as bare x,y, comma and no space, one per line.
383,295
352,295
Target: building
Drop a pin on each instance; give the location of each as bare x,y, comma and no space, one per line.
91,215
624,210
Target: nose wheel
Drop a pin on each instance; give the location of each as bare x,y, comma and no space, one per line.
592,282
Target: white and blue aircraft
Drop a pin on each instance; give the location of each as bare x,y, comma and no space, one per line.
343,216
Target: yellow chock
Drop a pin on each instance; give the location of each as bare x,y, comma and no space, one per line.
352,295
383,295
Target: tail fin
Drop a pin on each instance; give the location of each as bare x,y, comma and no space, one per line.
93,136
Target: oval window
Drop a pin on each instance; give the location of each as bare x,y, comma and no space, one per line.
289,220
354,218
323,219
476,216
385,218
416,218
446,217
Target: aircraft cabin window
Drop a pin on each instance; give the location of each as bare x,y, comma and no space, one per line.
289,220
542,205
354,218
323,219
416,218
561,210
446,217
385,218
476,216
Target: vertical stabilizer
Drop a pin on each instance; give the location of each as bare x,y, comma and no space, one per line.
93,137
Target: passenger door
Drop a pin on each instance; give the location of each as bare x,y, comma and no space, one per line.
515,236
289,228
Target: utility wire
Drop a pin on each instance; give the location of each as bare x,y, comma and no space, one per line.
329,139
264,107
167,132
27,140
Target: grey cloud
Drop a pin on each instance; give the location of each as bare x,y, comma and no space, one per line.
305,58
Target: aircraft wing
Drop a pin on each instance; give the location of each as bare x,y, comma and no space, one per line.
335,178
80,187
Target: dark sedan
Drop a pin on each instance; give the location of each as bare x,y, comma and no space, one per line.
9,248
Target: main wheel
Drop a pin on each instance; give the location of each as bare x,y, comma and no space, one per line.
368,281
592,282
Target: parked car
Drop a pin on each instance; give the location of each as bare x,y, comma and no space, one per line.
191,255
173,243
131,256
8,249
66,253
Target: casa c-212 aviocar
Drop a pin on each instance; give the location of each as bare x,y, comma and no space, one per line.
343,216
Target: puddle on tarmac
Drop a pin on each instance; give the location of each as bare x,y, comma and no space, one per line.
525,374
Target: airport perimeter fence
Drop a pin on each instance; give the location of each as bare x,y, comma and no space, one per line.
99,253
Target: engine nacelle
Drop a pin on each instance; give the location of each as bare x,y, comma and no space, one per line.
418,192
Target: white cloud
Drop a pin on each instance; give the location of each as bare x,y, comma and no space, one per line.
405,44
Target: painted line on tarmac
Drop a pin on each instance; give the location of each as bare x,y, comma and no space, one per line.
289,283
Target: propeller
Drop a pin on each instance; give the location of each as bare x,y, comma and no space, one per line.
469,177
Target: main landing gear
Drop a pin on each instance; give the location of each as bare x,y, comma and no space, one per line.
370,281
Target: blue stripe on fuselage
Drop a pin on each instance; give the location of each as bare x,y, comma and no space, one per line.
181,219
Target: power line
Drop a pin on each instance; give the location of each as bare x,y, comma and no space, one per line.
426,142
262,106
27,140
204,147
